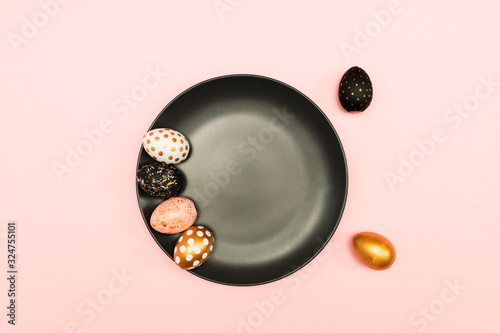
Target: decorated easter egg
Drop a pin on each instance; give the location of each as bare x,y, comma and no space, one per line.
374,250
193,247
160,180
355,90
173,215
166,145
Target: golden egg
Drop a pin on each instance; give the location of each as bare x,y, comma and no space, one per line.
374,250
193,247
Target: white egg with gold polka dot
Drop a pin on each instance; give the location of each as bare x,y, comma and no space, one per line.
166,145
193,247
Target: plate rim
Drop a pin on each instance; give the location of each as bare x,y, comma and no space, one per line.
346,190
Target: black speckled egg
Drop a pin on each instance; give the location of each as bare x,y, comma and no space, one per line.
160,180
355,90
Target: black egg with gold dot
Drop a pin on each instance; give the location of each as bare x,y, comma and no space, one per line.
355,90
160,180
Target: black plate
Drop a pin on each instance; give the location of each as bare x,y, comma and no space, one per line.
266,172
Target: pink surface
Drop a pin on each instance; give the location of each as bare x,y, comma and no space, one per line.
85,258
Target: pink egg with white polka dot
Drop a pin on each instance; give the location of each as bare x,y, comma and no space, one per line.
193,247
166,145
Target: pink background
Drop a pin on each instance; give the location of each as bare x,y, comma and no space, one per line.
76,233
